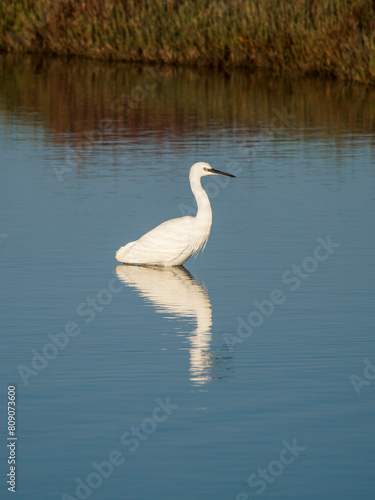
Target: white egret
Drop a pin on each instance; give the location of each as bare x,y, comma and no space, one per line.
174,241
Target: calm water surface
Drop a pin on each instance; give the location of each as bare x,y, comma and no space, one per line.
191,381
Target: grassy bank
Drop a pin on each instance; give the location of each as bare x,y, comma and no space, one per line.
323,37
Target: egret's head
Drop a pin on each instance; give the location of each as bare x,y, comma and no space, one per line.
202,168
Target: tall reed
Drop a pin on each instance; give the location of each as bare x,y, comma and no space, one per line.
322,37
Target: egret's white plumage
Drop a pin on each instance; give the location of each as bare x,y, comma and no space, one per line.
174,241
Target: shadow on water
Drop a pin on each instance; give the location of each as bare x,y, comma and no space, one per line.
174,293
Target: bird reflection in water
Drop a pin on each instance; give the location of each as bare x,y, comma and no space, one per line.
175,293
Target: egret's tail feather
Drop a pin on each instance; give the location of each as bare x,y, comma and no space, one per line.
122,253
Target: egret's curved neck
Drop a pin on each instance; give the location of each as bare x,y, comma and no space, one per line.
203,203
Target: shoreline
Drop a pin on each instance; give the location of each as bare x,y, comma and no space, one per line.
332,38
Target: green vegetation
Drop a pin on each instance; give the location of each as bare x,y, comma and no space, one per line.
315,37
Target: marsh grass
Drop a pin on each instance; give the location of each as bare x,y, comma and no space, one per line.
315,37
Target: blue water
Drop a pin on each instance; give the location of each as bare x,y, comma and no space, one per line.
173,382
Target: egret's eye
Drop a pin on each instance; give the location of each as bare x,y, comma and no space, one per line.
207,169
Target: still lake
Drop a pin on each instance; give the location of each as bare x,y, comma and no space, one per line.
251,372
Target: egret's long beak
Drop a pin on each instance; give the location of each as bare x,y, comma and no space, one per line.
218,172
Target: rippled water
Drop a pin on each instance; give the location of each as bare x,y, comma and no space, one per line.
244,374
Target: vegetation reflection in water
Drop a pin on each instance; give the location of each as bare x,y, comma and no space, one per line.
93,101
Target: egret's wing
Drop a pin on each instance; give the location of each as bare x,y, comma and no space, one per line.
163,243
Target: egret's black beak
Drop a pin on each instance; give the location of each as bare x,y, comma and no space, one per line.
218,172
